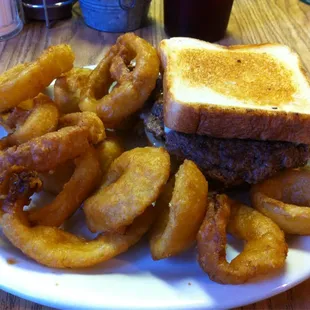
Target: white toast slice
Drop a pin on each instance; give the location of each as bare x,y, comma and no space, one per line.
248,92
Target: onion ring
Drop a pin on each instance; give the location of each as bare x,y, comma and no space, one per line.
132,183
98,83
25,81
132,89
285,199
53,247
47,152
84,180
182,210
265,249
34,126
67,89
85,119
108,150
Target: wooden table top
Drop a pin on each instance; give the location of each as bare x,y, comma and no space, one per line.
284,21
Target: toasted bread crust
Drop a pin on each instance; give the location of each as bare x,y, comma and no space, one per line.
239,123
225,121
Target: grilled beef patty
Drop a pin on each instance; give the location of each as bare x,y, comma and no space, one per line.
230,161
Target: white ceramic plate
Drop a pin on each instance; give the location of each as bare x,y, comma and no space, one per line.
134,281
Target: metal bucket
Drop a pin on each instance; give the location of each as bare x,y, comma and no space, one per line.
115,15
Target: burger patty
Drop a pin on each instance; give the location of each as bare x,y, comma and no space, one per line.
153,119
230,161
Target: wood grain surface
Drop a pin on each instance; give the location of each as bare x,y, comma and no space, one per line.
252,21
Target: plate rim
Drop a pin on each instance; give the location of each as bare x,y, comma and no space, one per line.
61,304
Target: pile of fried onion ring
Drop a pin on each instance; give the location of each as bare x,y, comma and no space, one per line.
285,198
60,148
53,247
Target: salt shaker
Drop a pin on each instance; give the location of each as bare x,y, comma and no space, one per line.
10,21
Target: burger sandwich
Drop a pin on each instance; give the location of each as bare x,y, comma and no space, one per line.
241,113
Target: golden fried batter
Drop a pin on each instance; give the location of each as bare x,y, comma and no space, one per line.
132,183
25,81
182,207
265,249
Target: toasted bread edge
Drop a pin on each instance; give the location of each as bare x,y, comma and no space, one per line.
240,123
